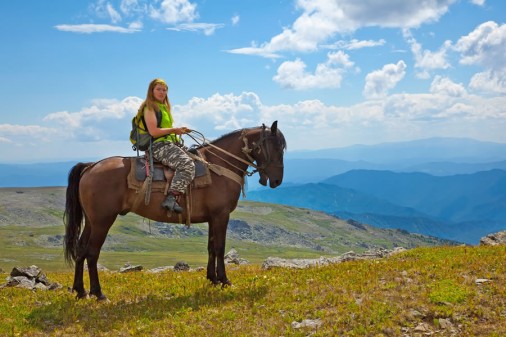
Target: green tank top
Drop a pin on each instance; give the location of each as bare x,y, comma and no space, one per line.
166,122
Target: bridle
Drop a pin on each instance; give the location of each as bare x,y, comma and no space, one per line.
258,146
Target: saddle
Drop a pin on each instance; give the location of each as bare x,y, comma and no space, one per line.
162,175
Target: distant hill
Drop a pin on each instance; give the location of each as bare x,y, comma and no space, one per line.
32,233
463,197
435,156
35,175
460,207
457,150
349,204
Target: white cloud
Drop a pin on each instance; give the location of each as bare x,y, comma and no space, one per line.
207,28
478,2
293,75
378,82
311,124
321,20
181,13
97,28
219,112
18,134
114,15
449,112
105,10
489,81
174,11
355,44
132,7
445,86
486,47
235,20
427,60
257,51
97,120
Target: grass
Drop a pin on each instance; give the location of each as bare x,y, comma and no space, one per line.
388,297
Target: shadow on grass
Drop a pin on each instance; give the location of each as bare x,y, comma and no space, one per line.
94,316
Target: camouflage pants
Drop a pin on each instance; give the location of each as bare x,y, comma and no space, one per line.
175,158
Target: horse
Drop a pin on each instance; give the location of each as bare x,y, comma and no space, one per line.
98,192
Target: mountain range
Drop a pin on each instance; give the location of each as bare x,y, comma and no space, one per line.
452,188
459,207
447,187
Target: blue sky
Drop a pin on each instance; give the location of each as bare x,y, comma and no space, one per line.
332,72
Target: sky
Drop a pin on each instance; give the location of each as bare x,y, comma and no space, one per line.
333,73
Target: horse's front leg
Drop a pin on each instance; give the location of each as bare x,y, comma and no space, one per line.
211,263
219,230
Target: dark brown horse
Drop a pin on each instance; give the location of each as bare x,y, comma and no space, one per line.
98,193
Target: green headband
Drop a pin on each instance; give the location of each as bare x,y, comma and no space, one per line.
160,81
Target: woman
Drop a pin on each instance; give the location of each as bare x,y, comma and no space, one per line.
156,109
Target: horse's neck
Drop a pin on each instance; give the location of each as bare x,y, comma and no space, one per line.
230,144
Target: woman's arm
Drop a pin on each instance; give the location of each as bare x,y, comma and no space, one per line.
155,131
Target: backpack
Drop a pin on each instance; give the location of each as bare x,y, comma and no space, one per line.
139,135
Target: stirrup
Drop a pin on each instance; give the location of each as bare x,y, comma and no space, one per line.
171,204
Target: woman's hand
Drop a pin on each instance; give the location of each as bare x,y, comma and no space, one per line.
182,130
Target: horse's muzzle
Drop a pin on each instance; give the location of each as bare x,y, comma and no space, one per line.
273,183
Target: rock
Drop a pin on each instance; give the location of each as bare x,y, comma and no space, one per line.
20,282
99,267
422,327
445,323
307,323
481,280
181,266
273,262
29,278
232,257
161,269
129,268
30,272
494,239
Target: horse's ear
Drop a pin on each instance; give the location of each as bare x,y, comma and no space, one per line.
274,127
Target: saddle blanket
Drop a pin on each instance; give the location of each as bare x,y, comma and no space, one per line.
163,175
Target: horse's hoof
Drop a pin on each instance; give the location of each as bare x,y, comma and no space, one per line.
81,295
225,284
102,298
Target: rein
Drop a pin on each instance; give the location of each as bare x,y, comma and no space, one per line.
246,150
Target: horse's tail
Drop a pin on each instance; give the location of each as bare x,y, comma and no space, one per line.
73,216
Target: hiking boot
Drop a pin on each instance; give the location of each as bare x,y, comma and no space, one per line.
171,204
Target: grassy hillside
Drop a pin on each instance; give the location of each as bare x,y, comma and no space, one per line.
31,232
423,291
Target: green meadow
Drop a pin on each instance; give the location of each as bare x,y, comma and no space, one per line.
421,292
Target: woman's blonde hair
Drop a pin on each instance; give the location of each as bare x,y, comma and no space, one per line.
150,100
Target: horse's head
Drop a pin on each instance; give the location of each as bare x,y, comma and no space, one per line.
268,149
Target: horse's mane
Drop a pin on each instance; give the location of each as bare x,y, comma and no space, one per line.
232,133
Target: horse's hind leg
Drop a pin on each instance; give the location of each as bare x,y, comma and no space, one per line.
79,267
97,238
